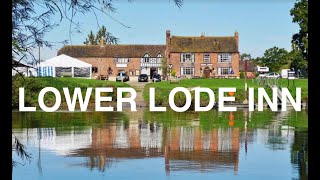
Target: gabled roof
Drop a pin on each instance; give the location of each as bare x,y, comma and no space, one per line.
203,44
112,51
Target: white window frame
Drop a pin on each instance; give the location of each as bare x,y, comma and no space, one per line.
122,60
185,69
187,57
222,71
224,57
146,58
206,59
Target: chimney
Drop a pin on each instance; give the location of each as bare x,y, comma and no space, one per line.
167,52
236,35
102,42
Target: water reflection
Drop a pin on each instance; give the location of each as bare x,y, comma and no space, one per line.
201,142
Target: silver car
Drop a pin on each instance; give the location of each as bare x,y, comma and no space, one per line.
273,75
122,76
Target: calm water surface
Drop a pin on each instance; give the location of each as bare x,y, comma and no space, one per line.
144,145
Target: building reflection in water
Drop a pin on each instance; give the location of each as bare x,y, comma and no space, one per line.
183,147
188,147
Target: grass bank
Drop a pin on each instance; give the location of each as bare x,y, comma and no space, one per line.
163,89
34,85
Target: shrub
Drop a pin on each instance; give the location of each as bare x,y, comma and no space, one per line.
173,73
159,97
180,99
31,90
241,75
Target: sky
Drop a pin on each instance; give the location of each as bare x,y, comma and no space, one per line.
261,24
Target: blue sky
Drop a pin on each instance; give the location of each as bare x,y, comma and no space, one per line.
261,24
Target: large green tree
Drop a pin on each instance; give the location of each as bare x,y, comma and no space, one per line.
299,15
274,58
298,61
102,33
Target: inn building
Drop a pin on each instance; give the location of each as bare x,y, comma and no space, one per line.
203,56
190,57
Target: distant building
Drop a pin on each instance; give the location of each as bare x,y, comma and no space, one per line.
110,59
202,56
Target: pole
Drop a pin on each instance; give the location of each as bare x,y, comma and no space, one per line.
245,82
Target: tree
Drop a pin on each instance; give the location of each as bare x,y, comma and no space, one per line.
274,58
91,39
297,61
245,55
164,66
300,15
102,33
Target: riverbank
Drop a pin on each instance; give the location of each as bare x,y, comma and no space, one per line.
163,89
34,85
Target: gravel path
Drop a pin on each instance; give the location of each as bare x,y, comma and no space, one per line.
138,86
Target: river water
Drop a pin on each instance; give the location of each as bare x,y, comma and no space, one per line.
148,145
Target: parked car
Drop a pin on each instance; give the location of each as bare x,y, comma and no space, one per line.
262,75
156,78
143,78
122,76
273,75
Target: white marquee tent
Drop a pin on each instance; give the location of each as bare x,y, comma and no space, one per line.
64,66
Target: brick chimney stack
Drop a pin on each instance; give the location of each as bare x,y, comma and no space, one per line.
236,35
102,41
168,36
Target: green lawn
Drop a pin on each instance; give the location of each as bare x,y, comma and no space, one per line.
164,87
34,85
59,83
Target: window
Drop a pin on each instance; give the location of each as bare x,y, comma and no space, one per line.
122,60
146,60
187,71
94,69
187,57
224,57
224,70
206,58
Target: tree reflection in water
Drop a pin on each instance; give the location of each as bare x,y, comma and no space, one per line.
202,142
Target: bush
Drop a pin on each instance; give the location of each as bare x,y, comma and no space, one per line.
159,98
173,73
31,90
180,99
241,75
